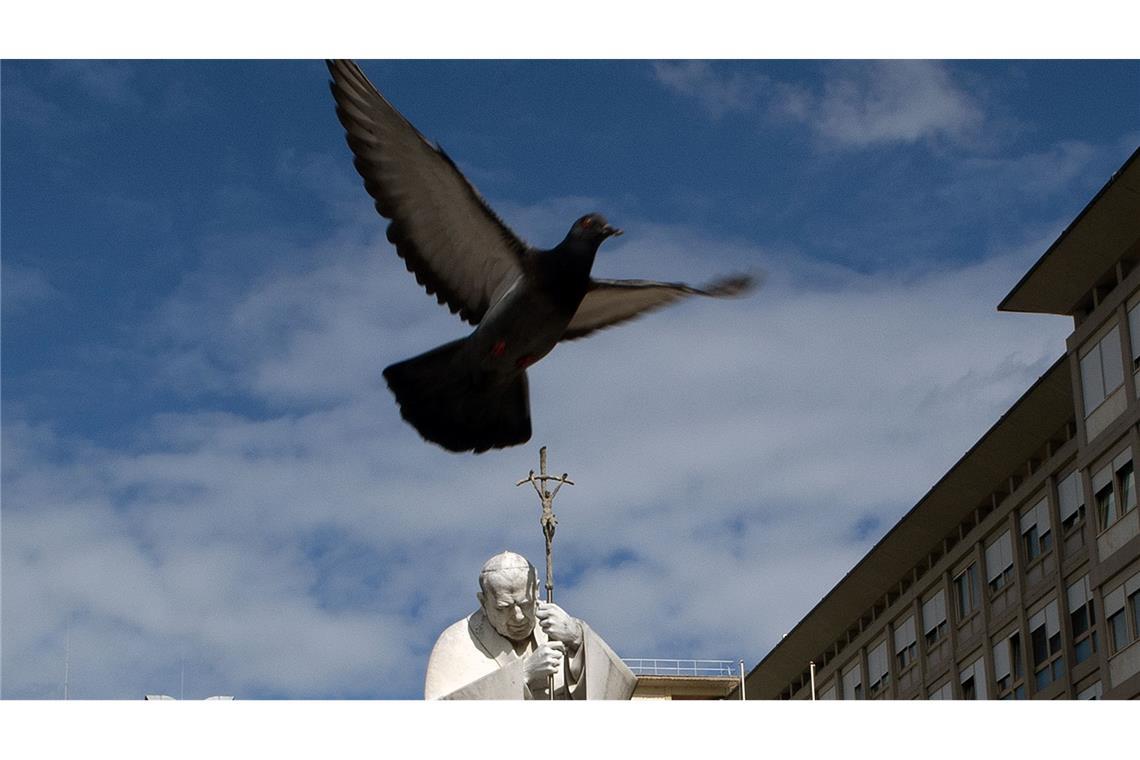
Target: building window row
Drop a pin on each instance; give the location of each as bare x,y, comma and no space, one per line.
1113,496
1122,610
1115,485
997,579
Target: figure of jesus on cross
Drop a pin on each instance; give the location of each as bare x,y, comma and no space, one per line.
547,520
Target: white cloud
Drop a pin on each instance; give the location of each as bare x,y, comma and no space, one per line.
24,287
724,452
718,93
110,81
889,101
24,106
1029,176
859,104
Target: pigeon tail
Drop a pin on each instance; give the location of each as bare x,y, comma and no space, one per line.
452,402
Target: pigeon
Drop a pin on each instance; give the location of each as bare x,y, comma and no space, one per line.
471,394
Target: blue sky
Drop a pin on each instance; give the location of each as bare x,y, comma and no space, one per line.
207,486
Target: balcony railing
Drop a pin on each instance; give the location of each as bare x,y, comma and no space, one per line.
697,668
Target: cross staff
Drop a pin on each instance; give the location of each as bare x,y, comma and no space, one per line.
547,520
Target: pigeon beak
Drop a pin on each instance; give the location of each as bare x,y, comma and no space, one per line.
609,231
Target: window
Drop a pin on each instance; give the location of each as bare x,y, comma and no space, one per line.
1134,335
1114,490
1122,614
1118,630
1092,692
942,692
1105,499
1126,482
934,618
878,673
1106,506
1035,535
1102,370
852,683
1134,605
1008,672
1045,640
906,648
1082,619
967,591
828,692
1071,501
999,563
973,680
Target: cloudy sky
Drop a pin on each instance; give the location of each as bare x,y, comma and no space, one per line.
207,488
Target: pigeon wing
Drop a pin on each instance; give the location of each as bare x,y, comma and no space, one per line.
448,236
611,302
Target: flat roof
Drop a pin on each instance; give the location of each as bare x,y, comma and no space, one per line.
1014,438
1107,227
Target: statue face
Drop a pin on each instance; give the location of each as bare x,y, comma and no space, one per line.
508,601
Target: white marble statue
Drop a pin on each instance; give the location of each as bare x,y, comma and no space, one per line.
512,644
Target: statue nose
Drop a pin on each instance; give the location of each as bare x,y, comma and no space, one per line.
519,616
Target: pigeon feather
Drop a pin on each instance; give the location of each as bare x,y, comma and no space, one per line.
448,236
611,302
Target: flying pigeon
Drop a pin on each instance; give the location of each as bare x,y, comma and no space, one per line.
471,394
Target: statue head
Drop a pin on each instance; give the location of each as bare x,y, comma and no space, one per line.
508,590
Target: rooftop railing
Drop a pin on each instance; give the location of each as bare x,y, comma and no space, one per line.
699,668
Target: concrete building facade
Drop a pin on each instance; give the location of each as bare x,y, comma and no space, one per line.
1017,576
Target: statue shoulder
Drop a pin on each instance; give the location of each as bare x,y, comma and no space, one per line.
457,631
456,660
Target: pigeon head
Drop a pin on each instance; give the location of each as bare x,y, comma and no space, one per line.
592,228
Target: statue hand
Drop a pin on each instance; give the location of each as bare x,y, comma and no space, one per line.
545,662
559,626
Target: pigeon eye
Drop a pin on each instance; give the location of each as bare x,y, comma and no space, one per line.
587,223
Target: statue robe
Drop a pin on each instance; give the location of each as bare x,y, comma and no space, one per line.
471,660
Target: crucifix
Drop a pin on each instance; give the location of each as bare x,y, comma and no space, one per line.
547,520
